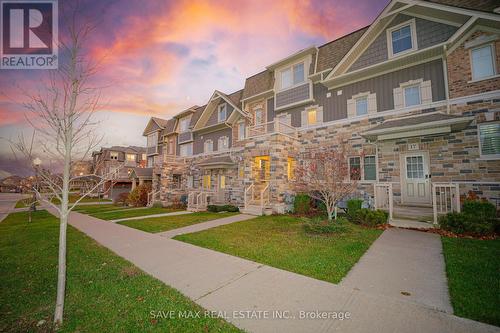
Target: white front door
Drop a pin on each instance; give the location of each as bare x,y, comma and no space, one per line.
415,178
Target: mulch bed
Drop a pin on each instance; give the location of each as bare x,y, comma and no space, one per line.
450,234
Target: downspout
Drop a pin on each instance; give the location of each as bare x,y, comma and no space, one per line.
445,75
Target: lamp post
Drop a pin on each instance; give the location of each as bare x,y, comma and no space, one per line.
36,164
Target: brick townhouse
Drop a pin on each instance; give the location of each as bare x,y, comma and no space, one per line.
416,95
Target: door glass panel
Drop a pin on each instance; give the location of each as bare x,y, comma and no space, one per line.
414,167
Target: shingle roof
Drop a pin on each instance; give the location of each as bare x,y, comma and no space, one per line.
257,84
330,54
170,126
482,5
143,172
161,122
126,149
196,115
235,97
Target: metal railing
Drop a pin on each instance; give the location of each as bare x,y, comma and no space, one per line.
264,193
199,199
249,190
445,199
151,197
383,197
274,126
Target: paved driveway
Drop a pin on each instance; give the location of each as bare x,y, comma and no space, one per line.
403,264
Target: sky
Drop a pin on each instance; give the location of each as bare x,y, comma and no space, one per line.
160,57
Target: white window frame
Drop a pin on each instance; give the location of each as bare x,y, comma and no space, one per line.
493,61
185,120
113,155
220,141
413,34
185,146
290,68
365,98
242,130
481,155
362,168
208,143
222,109
419,86
152,139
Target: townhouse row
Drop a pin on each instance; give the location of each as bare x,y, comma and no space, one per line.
415,95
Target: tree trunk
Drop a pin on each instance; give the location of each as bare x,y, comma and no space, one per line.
61,273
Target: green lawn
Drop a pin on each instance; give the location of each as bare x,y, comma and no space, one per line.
105,293
158,224
132,212
280,241
73,198
473,270
23,203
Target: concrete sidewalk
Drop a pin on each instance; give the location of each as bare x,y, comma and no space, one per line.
183,212
220,282
206,225
8,202
404,264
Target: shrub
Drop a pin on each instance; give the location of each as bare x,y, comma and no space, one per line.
121,199
302,204
318,225
222,208
138,197
371,218
483,209
461,223
353,206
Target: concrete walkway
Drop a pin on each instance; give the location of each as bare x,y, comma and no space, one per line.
205,225
183,212
220,282
406,265
8,202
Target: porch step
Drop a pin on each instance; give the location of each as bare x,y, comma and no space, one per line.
407,223
256,210
413,213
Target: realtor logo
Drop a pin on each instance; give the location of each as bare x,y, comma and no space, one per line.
28,34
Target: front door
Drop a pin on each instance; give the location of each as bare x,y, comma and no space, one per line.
415,178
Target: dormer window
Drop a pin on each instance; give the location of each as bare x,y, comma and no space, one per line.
184,124
222,112
292,76
402,39
113,155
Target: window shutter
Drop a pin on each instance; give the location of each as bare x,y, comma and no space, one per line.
351,108
426,91
372,103
398,98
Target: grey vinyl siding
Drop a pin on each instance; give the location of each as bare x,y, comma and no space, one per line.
185,137
429,33
199,139
214,117
335,106
293,95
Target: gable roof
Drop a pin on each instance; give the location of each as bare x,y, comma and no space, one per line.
196,115
258,83
170,126
154,124
234,99
330,54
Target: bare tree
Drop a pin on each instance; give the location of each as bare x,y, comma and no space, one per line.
324,174
60,113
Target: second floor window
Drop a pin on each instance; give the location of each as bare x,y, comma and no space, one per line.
208,146
241,131
259,116
222,112
482,59
223,143
412,95
143,157
184,124
361,106
152,139
312,117
131,157
151,162
292,75
186,150
113,155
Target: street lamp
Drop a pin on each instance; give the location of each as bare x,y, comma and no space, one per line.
36,163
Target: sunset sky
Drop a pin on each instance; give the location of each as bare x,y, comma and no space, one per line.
159,57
